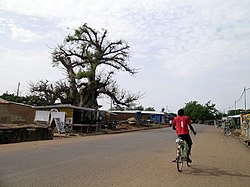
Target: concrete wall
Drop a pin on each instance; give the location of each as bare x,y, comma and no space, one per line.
16,113
124,116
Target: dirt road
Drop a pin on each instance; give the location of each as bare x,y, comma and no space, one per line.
140,158
218,161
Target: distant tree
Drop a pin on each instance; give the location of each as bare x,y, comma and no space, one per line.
194,110
118,107
211,113
138,108
149,109
29,100
90,62
198,112
134,107
36,100
10,97
50,92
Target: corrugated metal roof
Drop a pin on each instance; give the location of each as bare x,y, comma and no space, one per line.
3,101
63,106
135,111
70,106
234,116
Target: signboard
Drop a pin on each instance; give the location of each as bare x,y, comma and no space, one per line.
59,125
42,116
60,115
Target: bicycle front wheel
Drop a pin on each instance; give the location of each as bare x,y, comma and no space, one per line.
227,133
179,162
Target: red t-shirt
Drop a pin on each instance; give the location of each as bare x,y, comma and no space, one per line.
181,123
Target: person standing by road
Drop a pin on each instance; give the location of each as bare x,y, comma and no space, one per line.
181,125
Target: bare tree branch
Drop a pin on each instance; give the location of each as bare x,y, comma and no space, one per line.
81,54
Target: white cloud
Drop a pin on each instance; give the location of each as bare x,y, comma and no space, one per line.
24,35
25,66
205,58
189,39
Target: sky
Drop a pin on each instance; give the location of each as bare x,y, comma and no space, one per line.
185,51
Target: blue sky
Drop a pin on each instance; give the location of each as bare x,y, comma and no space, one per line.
188,50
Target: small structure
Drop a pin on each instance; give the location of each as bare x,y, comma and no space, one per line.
235,120
17,113
245,124
51,118
151,116
17,124
78,118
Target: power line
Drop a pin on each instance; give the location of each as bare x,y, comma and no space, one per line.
242,94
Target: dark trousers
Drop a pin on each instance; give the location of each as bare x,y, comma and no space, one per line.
188,139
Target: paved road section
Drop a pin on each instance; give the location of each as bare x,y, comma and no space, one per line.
141,158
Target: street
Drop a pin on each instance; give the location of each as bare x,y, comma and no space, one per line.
141,158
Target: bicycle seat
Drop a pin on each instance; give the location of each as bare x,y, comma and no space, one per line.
179,140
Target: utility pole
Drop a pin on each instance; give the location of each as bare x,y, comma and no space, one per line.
235,108
18,87
111,106
245,98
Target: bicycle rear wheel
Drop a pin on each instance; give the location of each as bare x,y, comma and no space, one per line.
179,160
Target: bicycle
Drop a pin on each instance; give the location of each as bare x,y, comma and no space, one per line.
182,149
227,131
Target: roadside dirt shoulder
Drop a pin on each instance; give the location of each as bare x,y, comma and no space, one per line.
221,160
58,139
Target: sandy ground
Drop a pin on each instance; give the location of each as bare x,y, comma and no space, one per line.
62,138
218,161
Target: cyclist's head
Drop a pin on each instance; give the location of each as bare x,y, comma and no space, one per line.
181,112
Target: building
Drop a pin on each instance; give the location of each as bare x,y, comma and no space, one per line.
16,113
152,116
79,118
245,124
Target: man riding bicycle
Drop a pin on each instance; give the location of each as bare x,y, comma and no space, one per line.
180,125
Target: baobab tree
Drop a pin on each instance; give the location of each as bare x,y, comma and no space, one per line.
90,61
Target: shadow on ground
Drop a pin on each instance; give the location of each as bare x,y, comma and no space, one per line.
206,171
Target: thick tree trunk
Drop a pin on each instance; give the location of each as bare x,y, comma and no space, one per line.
73,93
88,96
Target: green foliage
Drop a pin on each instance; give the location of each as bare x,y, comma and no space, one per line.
83,74
140,108
29,100
118,107
10,97
198,112
235,112
149,109
90,60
